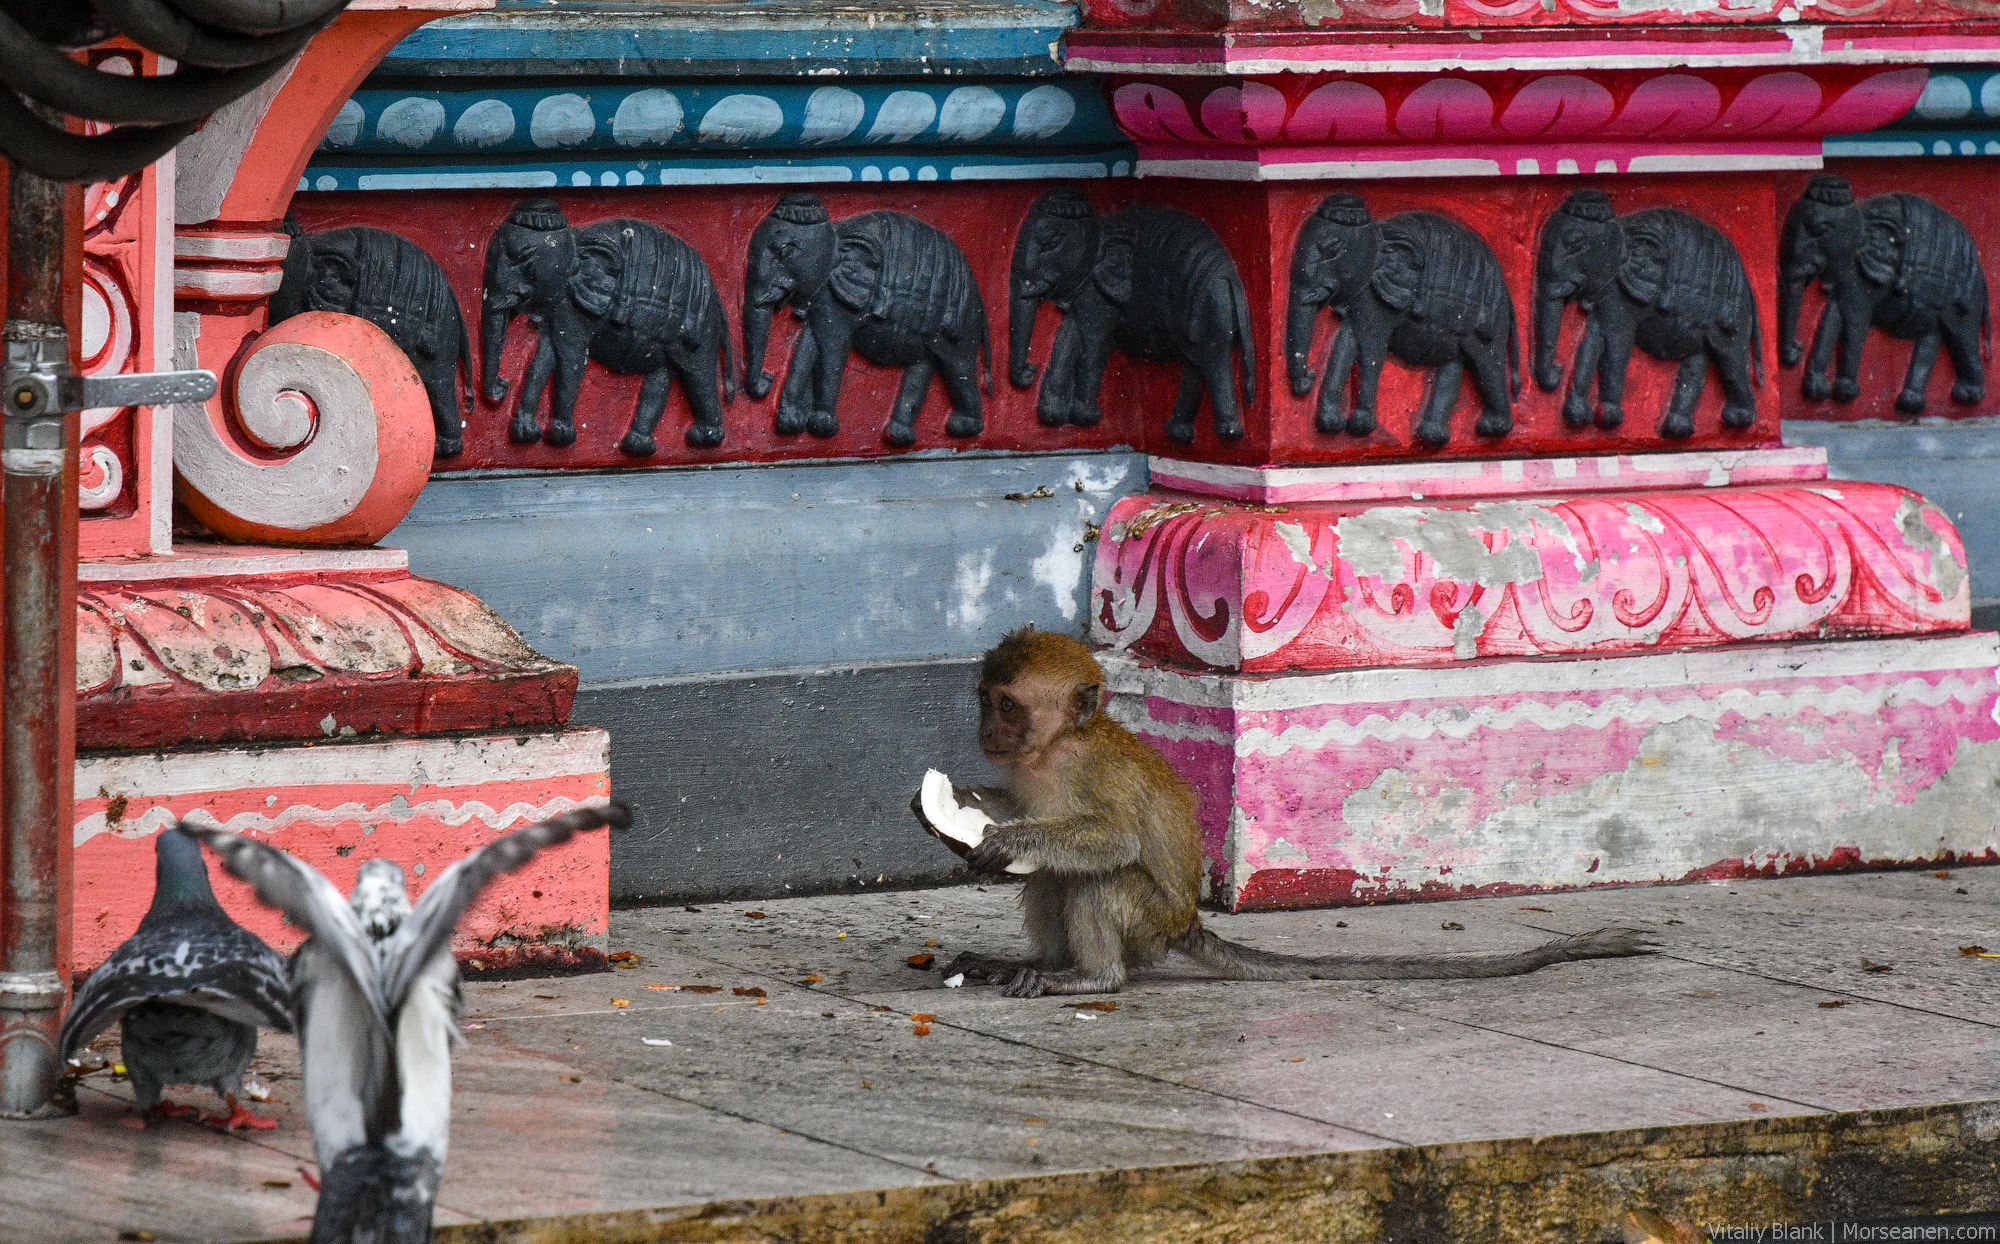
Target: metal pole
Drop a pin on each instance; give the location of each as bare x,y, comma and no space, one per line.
32,460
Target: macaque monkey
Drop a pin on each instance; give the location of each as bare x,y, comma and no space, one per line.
1109,829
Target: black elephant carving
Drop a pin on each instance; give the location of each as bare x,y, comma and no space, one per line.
1898,262
882,284
1149,280
624,292
395,285
1657,278
1419,286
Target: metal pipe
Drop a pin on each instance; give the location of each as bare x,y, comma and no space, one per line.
33,457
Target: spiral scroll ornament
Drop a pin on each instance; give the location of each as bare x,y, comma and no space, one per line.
322,436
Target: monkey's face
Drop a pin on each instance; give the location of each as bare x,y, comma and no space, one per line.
1020,720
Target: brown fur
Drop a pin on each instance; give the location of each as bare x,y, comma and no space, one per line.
1111,830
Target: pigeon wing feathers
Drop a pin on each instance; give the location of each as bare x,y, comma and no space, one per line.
308,899
215,966
351,1092
430,923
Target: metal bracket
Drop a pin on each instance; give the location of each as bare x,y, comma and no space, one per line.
31,394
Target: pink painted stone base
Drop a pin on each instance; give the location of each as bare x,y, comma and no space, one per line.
1512,776
423,802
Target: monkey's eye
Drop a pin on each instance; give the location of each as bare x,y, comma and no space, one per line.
1006,704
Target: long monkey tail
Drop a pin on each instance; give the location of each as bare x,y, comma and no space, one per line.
1243,963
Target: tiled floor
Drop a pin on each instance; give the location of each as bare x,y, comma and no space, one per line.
566,1100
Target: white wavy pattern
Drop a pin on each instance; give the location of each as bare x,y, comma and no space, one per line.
397,810
1460,722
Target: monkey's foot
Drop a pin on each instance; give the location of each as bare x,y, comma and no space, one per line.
1908,401
822,423
1966,393
450,446
524,432
239,1116
979,970
964,425
638,445
561,433
1027,983
899,433
1738,417
1493,423
704,435
169,1110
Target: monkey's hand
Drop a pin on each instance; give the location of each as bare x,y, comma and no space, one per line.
1000,848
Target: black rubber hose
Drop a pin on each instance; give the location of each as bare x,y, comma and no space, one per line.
62,156
161,28
260,17
41,73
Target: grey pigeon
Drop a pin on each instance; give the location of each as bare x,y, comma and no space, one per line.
189,990
378,1004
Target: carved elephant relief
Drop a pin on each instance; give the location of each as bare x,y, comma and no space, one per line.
1152,281
883,284
1897,262
395,285
1419,286
626,293
1660,279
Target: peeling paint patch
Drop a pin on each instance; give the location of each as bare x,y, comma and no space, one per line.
1282,853
1643,519
1298,541
974,576
1923,538
1374,540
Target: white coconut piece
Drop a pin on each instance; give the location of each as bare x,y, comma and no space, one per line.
965,826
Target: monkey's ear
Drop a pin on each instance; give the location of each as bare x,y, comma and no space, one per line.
1089,700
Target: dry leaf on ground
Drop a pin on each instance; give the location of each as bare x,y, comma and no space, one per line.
921,962
753,991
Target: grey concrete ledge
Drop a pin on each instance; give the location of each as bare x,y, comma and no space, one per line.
1954,462
650,574
1859,1166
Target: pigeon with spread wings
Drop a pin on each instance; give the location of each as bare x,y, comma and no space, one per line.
378,1000
188,991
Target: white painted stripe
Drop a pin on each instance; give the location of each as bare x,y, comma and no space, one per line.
1007,172
394,762
243,247
1459,62
393,812
489,179
226,282
752,173
1856,147
1317,170
1713,469
1714,162
1462,722
1965,652
208,562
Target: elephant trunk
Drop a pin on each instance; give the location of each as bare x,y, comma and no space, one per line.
1300,321
1548,327
1791,298
1020,334
756,337
492,343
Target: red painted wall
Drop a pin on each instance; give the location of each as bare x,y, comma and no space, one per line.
1258,223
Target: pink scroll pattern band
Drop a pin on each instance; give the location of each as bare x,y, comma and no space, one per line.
1318,586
